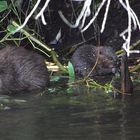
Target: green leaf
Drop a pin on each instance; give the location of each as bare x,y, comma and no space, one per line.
71,71
11,28
3,6
55,78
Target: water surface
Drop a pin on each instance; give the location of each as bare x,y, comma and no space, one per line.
65,113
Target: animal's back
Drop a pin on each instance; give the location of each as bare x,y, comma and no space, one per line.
22,70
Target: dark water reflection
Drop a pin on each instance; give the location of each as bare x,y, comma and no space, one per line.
82,115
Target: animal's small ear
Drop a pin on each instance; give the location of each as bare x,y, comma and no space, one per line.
99,50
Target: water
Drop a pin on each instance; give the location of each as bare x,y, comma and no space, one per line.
70,114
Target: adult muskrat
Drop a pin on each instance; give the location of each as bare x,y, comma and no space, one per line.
85,57
22,70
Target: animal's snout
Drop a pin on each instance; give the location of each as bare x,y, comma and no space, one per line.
114,67
114,70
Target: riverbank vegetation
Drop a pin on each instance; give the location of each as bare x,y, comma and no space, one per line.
56,28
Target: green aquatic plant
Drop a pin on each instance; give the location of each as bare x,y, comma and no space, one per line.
91,83
71,71
106,87
3,6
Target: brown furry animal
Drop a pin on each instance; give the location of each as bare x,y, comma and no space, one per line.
22,70
85,57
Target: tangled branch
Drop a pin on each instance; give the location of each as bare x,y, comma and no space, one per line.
133,22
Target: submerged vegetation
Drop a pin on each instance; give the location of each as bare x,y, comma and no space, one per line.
55,35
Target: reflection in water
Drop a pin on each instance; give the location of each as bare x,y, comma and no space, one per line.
84,114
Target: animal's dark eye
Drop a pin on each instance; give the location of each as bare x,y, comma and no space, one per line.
100,52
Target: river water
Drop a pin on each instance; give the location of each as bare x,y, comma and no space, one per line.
70,113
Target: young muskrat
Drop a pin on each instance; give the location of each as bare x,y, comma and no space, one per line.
87,56
22,70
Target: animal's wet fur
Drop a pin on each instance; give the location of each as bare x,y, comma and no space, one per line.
85,57
22,70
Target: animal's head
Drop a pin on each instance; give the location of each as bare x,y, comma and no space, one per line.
107,60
